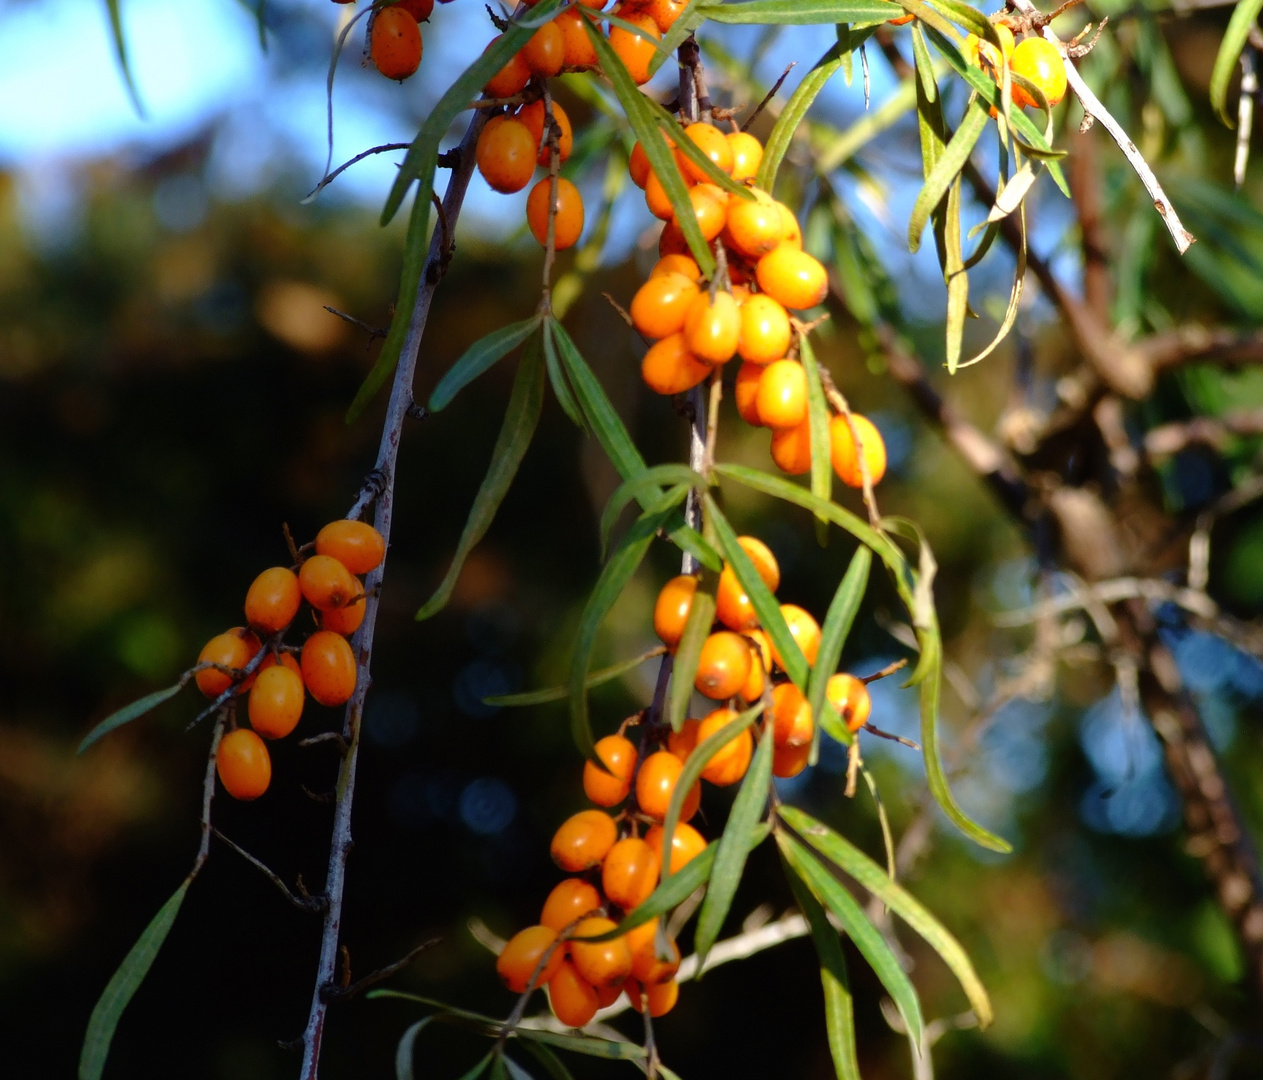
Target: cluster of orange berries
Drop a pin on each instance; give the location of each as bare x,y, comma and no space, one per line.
278,685
1033,58
615,869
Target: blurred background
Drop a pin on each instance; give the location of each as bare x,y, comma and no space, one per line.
172,392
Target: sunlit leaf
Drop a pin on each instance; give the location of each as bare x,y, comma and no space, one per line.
1245,17
802,12
818,418
795,110
836,626
946,170
479,357
645,488
557,378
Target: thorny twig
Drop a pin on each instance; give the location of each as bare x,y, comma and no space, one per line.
304,901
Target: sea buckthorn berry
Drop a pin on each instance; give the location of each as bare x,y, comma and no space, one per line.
849,697
792,277
671,609
711,211
243,764
712,328
664,12
789,761
732,605
577,50
803,629
602,963
655,784
765,330
713,145
747,154
533,116
612,784
791,449
418,9
545,52
752,691
790,716
681,742
629,873
276,702
660,305
328,667
287,660
395,42
506,154
755,226
746,393
793,231
782,394
607,995
659,1000
846,455
326,583
901,20
634,50
571,997
232,649
647,968
671,241
570,900
583,840
733,758
355,544
1038,60
344,620
764,561
569,225
686,844
638,166
762,646
510,79
724,665
656,198
272,600
677,264
521,956
670,368
983,54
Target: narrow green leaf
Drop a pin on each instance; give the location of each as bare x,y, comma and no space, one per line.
836,627
583,1044
1244,16
114,10
924,65
846,909
687,652
685,23
693,152
818,417
515,1071
851,860
802,12
560,384
733,846
795,110
407,1044
957,278
945,170
968,17
560,693
124,983
128,713
645,488
520,420
553,1065
479,357
445,1011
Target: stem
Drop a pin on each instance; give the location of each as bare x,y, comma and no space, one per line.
387,455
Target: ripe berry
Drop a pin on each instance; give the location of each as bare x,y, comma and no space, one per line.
792,277
647,968
682,742
849,697
843,450
752,691
982,54
629,873
326,583
765,330
731,761
671,609
634,50
521,956
328,667
656,782
790,716
789,761
602,963
545,52
272,600
656,198
804,629
583,840
686,844
232,649
506,154
1038,60
710,209
755,226
677,264
712,143
782,394
418,9
569,223
671,241
286,660
276,702
712,328
610,785
355,544
510,79
732,606
747,154
659,999
344,620
533,117
664,12
578,51
660,305
791,448
570,900
746,393
793,231
571,997
395,42
670,368
243,764
638,166
724,665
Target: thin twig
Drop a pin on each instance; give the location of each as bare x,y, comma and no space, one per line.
208,796
372,331
329,178
303,903
341,993
1245,113
767,98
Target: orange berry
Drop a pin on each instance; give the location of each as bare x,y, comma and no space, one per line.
792,277
355,544
789,761
732,605
569,223
686,844
344,620
655,784
752,691
664,12
712,328
506,154
765,330
395,42
418,9
647,968
612,784
790,716
659,999
849,697
272,600
629,873
656,198
287,660
545,51
724,665
520,958
754,227
712,143
843,450
677,264
782,394
232,649
711,211
328,667
660,305
532,116
733,758
982,54
764,561
681,742
671,241
276,701
607,995
671,609
793,231
803,629
791,449
243,764
326,583
747,154
634,50
1038,60
570,899
746,392
583,840
577,50
670,368
602,963
571,997
510,79
638,166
